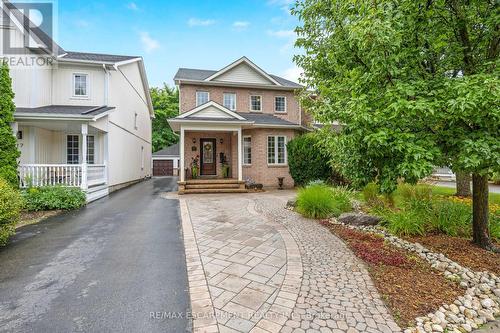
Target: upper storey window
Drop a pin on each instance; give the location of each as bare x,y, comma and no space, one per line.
202,97
280,104
80,85
230,101
255,103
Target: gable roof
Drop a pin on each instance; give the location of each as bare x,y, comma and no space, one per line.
172,150
224,112
205,76
96,57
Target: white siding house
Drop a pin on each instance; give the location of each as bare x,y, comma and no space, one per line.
84,120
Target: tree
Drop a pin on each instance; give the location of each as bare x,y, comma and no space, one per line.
463,184
416,83
166,105
8,144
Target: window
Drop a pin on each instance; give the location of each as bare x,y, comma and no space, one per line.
72,152
230,101
80,85
255,103
280,104
247,150
202,97
90,149
276,150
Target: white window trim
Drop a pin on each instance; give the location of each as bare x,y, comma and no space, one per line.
75,96
202,91
276,150
235,100
250,102
243,147
286,106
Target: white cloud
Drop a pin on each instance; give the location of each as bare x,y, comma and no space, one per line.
195,22
132,6
148,43
282,33
293,73
241,25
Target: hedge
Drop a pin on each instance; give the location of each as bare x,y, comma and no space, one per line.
10,207
54,198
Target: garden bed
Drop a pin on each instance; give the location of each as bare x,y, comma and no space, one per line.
462,251
409,286
27,218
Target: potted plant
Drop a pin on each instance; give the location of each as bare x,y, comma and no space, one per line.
225,165
195,167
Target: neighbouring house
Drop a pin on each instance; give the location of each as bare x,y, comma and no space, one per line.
166,161
82,119
234,123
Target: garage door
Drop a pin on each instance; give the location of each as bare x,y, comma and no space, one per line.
163,168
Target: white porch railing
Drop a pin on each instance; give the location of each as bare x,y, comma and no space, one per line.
71,175
96,174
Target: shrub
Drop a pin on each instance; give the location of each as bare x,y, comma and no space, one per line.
415,196
452,218
495,226
406,222
55,197
306,161
315,202
10,207
342,200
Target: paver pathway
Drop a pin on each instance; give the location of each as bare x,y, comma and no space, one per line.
254,266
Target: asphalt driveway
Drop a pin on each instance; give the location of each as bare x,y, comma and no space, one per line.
116,265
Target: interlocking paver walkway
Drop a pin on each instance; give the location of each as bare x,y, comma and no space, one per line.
254,266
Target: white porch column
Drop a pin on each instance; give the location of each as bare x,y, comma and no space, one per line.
15,128
240,155
106,158
85,132
181,157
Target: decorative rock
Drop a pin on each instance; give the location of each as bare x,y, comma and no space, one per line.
359,219
454,309
291,203
437,328
467,327
487,303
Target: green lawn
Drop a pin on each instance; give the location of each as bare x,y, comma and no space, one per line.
448,191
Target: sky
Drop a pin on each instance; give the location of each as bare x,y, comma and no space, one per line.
205,34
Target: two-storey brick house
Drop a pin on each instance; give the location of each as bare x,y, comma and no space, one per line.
239,118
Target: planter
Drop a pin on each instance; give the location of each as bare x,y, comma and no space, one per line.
225,171
194,172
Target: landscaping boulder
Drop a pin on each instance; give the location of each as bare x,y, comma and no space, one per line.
358,219
291,204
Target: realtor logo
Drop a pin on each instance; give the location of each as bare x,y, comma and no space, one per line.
34,21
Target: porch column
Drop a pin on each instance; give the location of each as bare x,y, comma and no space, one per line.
181,157
240,155
15,128
85,132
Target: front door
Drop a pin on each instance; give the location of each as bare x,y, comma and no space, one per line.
208,158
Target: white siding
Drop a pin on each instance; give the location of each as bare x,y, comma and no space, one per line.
63,86
243,73
211,112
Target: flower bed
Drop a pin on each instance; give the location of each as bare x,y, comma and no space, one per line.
408,284
480,303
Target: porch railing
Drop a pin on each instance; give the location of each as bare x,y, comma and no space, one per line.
72,175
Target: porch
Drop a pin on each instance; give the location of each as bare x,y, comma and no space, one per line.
63,153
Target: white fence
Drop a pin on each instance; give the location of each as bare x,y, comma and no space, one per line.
71,175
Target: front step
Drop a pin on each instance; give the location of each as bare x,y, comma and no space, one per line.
211,181
213,190
211,186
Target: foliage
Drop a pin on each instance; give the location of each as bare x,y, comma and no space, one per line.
166,105
414,83
415,197
53,197
10,206
320,201
452,218
306,161
8,145
406,222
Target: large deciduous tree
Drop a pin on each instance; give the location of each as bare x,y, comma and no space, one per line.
166,105
416,84
8,145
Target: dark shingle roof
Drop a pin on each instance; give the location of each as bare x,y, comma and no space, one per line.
172,150
96,57
66,110
202,74
266,119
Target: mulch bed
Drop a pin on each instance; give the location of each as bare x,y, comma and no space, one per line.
35,217
462,251
409,286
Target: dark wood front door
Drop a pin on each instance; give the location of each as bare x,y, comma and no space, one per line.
208,157
163,168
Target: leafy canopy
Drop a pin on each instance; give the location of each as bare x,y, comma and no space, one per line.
166,105
415,83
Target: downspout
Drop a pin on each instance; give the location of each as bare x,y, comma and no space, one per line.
106,85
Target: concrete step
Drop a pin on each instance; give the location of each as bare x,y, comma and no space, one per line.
213,190
212,186
212,181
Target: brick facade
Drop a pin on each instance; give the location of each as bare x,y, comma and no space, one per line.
293,112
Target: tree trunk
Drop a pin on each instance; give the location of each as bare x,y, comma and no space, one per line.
463,184
480,223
